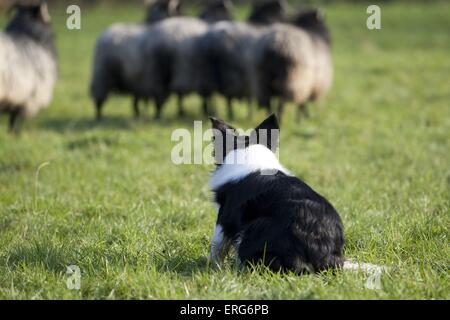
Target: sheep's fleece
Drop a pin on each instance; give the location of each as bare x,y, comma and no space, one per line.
28,73
293,76
117,49
177,37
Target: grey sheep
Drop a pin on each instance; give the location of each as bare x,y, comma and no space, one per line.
170,49
118,60
28,68
218,10
226,51
266,12
293,62
161,9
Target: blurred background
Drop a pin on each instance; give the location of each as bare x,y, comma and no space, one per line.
110,200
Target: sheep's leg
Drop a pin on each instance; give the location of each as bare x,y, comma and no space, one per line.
264,105
250,108
146,105
230,108
98,107
14,121
180,105
270,107
136,107
205,105
302,110
159,105
281,105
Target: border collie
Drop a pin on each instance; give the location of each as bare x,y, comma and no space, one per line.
266,213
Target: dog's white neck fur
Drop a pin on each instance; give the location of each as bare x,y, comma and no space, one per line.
240,163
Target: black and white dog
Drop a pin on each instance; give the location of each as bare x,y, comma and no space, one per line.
266,213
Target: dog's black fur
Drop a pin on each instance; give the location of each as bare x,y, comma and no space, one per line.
278,219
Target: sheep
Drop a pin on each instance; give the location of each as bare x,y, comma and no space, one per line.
226,53
268,12
185,75
118,63
170,50
293,62
161,9
218,10
28,68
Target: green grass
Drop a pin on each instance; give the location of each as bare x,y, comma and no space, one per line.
110,200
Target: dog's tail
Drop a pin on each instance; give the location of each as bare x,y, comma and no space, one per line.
366,267
373,272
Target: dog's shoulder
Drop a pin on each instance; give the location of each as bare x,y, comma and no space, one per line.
260,187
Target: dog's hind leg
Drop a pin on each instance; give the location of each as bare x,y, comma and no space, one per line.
220,245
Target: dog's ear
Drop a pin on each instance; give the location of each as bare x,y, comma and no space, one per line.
224,139
220,125
268,133
271,123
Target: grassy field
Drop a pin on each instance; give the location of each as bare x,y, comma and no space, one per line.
108,199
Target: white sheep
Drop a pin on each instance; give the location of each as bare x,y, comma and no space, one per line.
170,51
293,62
226,54
28,68
118,59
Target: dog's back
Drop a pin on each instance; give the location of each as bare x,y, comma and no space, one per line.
283,223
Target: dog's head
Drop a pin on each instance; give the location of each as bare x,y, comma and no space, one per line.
227,138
